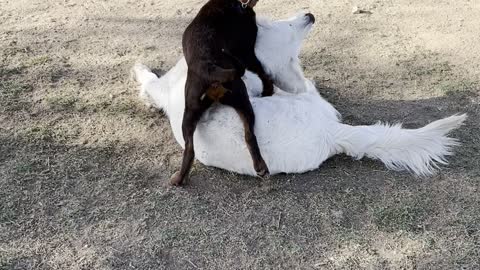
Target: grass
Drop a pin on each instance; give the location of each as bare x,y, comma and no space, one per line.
6,72
14,96
83,164
38,61
45,134
401,216
455,87
62,102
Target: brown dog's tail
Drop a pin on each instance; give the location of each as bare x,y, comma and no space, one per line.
221,75
239,66
216,73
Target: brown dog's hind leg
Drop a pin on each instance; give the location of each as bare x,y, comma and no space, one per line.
190,120
238,99
194,109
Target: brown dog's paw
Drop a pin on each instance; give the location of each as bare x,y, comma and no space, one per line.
176,180
264,174
262,171
267,88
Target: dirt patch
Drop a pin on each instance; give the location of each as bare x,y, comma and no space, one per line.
83,164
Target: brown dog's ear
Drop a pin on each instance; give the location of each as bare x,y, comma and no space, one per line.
252,3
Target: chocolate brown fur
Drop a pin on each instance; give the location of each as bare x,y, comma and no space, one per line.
218,46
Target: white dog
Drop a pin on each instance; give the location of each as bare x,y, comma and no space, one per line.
295,132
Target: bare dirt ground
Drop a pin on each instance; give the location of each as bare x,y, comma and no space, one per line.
83,164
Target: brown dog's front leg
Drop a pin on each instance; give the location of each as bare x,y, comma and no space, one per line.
256,67
267,85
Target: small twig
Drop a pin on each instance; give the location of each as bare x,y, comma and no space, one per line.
196,267
279,220
225,211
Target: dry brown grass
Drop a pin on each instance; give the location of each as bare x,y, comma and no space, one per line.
83,164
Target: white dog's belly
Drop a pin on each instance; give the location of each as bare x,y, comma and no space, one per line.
291,138
294,132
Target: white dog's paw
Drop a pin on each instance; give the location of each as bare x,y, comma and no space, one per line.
138,72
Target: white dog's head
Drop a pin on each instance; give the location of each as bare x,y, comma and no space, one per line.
278,47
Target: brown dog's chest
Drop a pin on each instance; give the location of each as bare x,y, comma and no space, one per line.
240,30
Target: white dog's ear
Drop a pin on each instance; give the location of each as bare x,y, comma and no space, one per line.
263,22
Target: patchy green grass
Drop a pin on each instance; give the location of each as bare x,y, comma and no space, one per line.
454,87
49,133
6,72
14,96
61,102
74,103
38,61
402,215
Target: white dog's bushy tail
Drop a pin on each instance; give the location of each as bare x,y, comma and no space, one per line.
417,150
152,88
144,76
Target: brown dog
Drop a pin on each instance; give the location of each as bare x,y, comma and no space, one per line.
218,45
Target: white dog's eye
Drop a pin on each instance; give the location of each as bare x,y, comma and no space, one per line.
290,24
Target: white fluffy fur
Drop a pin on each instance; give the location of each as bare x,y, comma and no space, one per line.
295,132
